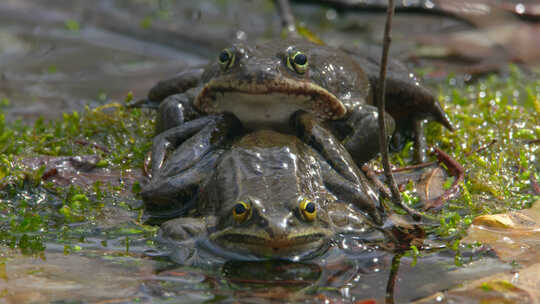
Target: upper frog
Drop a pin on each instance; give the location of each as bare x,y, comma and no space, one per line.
263,84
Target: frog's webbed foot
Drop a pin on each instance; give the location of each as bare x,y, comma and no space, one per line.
167,197
184,228
359,194
346,218
359,132
190,141
180,235
182,157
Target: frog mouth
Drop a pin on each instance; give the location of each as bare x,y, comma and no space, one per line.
273,242
277,246
268,100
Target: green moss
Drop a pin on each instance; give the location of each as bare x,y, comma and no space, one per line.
503,115
72,25
33,211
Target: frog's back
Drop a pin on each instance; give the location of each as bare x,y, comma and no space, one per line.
406,98
273,166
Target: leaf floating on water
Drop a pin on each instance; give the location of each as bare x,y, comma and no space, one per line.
514,235
508,221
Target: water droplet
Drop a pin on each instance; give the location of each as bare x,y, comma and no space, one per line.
520,8
241,35
331,14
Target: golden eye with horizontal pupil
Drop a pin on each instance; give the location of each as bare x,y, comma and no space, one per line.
308,209
297,62
226,58
241,211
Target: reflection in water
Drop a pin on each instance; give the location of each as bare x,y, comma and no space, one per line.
359,272
290,275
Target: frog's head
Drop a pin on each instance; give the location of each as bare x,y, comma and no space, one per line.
264,84
286,229
268,197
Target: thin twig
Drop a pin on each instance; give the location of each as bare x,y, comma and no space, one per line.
456,170
392,277
411,167
381,90
287,18
534,184
533,141
482,148
383,144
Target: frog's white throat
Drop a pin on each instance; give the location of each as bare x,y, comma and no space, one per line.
269,104
261,111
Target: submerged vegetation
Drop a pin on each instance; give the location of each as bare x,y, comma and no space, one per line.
498,127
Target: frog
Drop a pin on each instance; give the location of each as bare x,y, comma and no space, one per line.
266,84
265,195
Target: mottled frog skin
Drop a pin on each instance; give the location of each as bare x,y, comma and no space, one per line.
265,84
248,147
266,195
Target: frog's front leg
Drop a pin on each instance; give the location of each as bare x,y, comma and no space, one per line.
341,174
181,158
185,228
359,194
166,197
347,219
359,132
176,110
190,141
320,138
179,83
181,235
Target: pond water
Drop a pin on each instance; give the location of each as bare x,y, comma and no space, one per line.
59,56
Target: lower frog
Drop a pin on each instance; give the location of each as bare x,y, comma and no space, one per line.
265,84
266,194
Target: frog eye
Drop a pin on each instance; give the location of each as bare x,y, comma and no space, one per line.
297,62
307,207
240,211
226,58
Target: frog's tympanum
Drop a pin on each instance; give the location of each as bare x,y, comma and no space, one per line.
266,195
263,85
